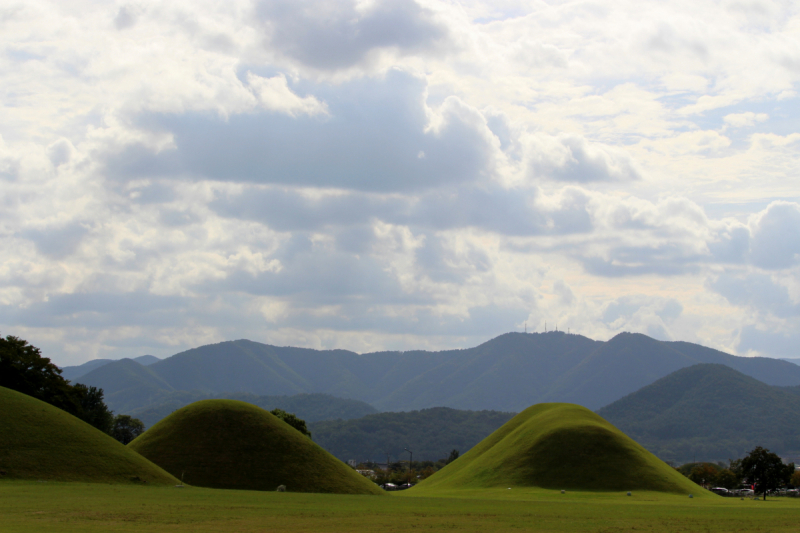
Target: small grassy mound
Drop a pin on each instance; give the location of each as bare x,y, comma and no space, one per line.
559,446
39,441
229,444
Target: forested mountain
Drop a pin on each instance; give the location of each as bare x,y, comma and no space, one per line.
508,373
431,434
309,407
72,373
709,412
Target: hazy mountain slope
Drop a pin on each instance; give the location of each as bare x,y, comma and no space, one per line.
127,384
507,373
430,433
711,412
771,371
74,372
309,407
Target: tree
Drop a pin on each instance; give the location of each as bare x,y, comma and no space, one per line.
727,479
795,479
704,473
92,409
297,423
765,470
126,428
23,369
453,456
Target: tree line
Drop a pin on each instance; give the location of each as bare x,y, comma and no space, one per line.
763,470
23,369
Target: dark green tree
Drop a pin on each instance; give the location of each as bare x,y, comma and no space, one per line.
126,428
23,369
765,470
727,479
453,456
297,423
92,409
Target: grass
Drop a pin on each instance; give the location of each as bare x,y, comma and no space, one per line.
236,445
559,446
31,507
39,441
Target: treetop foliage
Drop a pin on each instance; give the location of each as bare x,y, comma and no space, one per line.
297,423
766,470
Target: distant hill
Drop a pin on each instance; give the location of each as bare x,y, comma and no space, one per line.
795,360
309,407
430,433
709,412
229,444
41,442
507,373
558,446
74,372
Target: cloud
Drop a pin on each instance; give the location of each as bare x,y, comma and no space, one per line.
759,292
396,174
650,315
369,140
572,158
57,241
329,35
741,120
274,95
776,236
770,343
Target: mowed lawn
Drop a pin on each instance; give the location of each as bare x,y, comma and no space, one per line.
36,506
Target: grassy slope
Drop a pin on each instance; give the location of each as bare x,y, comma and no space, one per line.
560,446
236,445
39,441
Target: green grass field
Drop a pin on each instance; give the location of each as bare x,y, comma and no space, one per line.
30,507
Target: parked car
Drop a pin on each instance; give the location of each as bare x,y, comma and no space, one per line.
722,491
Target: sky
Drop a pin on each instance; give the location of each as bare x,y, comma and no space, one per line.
394,175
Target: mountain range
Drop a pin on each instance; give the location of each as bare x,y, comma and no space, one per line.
507,373
709,412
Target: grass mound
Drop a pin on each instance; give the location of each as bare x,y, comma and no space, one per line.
559,446
229,444
39,441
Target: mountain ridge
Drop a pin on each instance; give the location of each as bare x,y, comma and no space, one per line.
507,373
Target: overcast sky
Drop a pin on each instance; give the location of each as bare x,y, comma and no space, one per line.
393,175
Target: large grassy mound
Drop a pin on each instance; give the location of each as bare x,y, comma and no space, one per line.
559,446
230,444
39,441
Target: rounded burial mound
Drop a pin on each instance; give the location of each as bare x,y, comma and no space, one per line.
559,446
229,444
39,441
